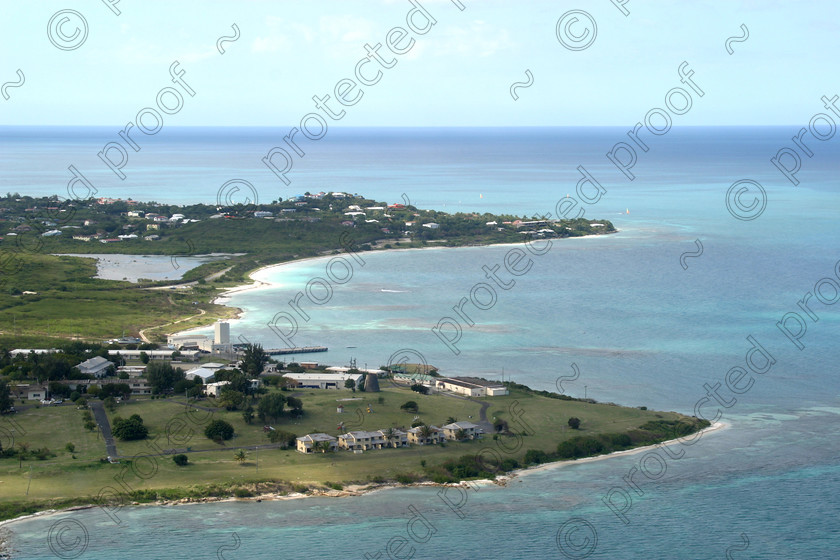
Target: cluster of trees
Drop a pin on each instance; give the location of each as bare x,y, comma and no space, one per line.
586,446
162,377
129,429
272,407
54,366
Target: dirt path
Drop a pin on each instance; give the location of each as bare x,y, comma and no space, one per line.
143,332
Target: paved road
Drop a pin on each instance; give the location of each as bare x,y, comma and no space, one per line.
104,426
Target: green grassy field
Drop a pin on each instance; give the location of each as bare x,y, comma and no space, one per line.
64,479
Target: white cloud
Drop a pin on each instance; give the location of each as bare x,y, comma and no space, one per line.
478,38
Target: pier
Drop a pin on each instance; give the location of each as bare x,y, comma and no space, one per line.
299,350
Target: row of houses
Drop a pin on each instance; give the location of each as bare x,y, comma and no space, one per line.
360,441
139,386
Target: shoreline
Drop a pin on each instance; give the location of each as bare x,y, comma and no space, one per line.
256,285
355,490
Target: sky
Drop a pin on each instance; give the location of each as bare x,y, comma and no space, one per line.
577,63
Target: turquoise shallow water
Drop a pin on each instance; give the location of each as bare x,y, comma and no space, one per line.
642,330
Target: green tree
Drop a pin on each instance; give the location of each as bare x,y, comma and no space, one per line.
115,390
230,399
130,429
418,388
390,434
350,384
180,459
271,407
410,406
254,360
237,381
110,403
240,455
574,423
218,430
295,405
144,357
285,439
426,432
248,414
6,400
162,376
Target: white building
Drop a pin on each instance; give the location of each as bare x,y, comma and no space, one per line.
307,443
323,380
205,371
26,351
96,366
153,354
471,386
214,389
470,430
222,333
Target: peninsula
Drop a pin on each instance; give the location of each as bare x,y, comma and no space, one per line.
45,296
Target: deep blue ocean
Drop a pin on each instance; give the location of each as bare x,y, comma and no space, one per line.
642,327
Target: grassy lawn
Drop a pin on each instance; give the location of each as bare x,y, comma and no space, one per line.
62,476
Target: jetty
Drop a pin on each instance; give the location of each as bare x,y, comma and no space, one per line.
297,350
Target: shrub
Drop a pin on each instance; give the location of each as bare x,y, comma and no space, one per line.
218,430
181,459
535,457
580,446
621,440
285,439
405,478
43,453
75,395
418,388
409,406
70,448
574,423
